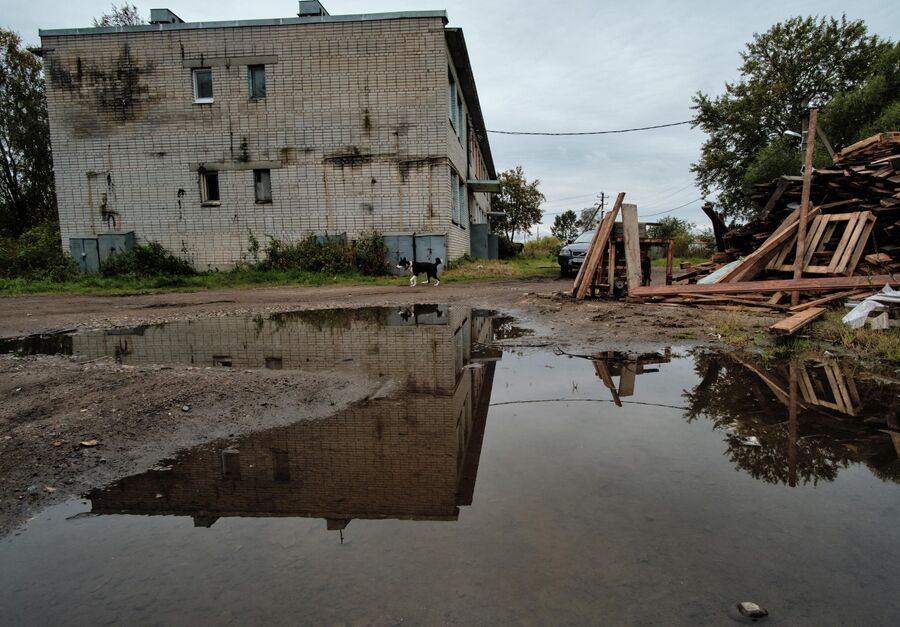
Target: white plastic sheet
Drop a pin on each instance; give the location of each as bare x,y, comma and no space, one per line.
857,316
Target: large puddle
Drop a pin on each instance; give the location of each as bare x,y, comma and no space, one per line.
493,486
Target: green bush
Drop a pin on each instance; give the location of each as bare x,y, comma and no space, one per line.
146,261
544,247
506,248
330,256
36,254
371,252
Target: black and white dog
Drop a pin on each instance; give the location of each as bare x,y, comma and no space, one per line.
416,268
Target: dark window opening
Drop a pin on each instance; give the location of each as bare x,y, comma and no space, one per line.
209,186
231,464
256,75
222,361
262,184
274,363
282,467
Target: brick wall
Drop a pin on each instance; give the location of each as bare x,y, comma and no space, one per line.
353,128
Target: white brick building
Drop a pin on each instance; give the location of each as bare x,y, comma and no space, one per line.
198,136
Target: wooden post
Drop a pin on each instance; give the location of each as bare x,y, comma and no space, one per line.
792,425
670,260
804,200
611,270
631,235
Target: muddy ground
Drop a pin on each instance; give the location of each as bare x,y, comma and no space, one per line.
139,415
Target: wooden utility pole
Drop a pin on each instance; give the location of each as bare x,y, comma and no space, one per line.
804,200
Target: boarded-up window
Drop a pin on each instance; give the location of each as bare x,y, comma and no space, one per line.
274,363
256,75
262,183
203,85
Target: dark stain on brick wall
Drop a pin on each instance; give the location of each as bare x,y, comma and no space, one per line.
117,87
349,157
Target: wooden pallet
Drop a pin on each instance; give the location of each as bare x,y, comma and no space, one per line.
839,257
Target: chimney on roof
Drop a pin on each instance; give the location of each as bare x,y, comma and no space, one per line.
164,16
311,8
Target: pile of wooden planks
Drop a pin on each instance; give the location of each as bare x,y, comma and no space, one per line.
850,232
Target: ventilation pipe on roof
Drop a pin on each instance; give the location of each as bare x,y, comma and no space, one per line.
311,8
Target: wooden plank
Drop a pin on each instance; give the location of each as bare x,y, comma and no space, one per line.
777,296
627,375
631,235
611,267
796,322
597,249
603,372
775,285
804,200
878,258
827,299
773,199
861,242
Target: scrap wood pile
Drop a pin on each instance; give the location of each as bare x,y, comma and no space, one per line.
852,241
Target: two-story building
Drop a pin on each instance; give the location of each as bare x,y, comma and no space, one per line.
204,136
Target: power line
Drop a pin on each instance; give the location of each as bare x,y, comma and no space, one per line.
624,130
650,215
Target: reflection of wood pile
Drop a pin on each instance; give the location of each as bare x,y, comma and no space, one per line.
627,367
851,243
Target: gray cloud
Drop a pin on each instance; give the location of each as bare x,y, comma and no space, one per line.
564,66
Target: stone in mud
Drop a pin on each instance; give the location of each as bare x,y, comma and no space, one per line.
752,610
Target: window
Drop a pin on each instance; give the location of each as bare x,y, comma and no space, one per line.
453,100
460,118
209,187
231,464
454,189
282,466
463,208
203,85
262,184
256,76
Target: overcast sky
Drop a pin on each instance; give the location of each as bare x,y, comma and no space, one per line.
563,66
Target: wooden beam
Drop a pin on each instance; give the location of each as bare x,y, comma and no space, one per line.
598,248
783,184
791,325
828,299
631,236
804,200
817,284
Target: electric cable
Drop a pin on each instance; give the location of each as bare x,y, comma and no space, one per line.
623,130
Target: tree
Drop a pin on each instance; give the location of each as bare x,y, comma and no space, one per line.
519,200
798,63
589,219
125,15
672,228
565,226
26,165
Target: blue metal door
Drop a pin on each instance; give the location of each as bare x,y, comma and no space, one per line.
85,252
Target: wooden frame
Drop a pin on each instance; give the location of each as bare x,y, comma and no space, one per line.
843,390
847,250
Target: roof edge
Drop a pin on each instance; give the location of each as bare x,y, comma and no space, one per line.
459,54
284,21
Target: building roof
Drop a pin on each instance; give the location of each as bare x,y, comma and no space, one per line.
285,21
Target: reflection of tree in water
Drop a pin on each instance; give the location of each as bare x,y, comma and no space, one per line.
738,401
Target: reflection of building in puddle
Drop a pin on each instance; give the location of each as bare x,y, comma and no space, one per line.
626,367
412,455
799,422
